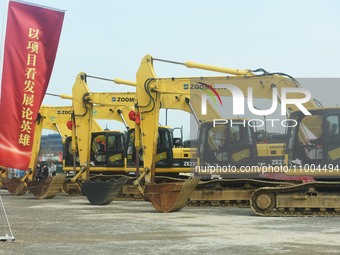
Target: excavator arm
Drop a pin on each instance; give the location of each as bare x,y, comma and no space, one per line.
56,119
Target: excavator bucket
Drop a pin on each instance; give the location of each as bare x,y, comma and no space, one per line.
15,186
46,188
170,197
101,192
71,188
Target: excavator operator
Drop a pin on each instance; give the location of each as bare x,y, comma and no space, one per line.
100,146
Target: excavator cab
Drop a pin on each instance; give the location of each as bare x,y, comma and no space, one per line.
314,139
107,149
164,156
229,144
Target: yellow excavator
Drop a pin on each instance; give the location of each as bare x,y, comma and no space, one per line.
99,169
312,150
149,91
101,151
165,197
106,147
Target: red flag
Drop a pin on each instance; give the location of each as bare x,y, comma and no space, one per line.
31,42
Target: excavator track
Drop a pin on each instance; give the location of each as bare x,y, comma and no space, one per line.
131,193
229,192
319,198
71,188
219,193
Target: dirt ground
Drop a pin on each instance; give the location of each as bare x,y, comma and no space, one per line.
70,225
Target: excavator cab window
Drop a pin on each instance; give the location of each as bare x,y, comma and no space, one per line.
130,148
316,138
98,149
164,156
108,149
332,139
115,149
227,144
305,143
177,139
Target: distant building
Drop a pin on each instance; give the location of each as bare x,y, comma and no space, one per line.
51,147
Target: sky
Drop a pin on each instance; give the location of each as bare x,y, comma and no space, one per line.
109,38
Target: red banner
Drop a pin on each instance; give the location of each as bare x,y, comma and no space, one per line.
31,42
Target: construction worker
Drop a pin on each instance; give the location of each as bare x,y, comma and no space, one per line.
101,150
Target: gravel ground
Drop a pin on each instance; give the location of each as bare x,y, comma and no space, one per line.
70,225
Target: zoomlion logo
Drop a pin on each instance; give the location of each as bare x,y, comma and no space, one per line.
122,99
64,111
208,89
